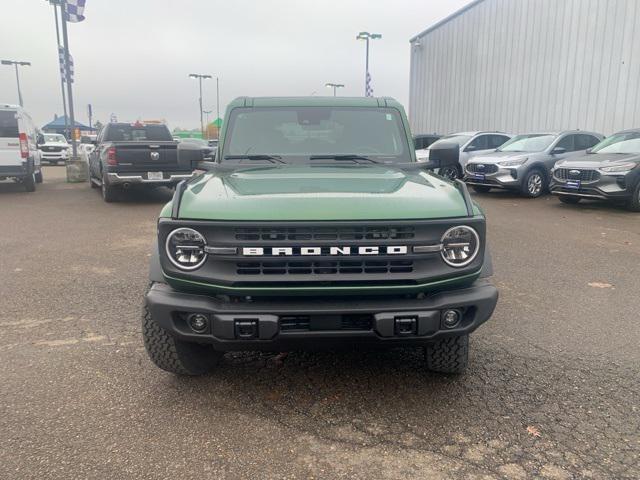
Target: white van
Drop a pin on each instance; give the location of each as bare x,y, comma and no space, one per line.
19,154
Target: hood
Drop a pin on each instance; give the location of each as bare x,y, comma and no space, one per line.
598,160
495,157
315,192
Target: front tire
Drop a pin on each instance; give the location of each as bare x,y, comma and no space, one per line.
481,188
569,200
534,184
633,203
173,355
449,355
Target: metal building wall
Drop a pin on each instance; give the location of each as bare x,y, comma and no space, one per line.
529,65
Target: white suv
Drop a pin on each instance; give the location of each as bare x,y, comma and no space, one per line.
19,154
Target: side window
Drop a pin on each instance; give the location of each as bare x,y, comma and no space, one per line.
419,143
496,141
584,142
481,142
566,143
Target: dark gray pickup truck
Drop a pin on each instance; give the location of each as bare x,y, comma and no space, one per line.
138,154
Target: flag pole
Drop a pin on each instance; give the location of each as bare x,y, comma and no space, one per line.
67,72
64,94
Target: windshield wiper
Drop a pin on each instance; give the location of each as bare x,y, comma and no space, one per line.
346,157
270,158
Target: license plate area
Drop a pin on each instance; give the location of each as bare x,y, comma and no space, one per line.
155,176
573,184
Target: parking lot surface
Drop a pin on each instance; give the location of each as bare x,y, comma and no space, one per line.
552,390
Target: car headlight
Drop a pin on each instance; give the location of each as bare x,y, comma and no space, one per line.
623,167
460,245
512,163
186,248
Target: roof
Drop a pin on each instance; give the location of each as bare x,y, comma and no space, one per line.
60,123
455,14
314,101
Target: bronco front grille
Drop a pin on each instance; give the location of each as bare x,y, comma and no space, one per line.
328,267
482,168
402,232
585,175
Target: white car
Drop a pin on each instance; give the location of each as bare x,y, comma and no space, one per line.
470,143
19,154
54,148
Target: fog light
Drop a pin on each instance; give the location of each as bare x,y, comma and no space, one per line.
451,318
198,322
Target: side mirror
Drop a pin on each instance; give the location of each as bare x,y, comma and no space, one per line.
558,151
443,155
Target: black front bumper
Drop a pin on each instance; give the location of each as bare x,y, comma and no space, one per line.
304,323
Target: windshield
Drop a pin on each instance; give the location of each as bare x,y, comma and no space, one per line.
528,143
620,143
295,134
457,139
49,138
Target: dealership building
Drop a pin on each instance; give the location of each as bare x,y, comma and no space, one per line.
528,65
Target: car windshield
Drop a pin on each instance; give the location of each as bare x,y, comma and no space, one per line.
456,138
295,134
528,143
49,138
628,142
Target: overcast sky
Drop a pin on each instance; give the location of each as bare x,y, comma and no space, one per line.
133,57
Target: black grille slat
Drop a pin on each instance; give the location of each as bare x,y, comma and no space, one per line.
404,232
586,175
324,267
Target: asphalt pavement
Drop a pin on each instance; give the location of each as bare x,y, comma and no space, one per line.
552,391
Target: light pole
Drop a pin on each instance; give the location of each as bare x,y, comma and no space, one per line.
334,86
16,64
366,36
200,77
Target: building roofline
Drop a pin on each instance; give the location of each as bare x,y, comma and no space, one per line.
445,20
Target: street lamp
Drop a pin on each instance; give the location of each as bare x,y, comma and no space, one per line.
200,77
334,86
16,64
366,36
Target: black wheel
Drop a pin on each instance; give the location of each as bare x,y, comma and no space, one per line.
173,355
568,199
534,184
633,203
449,355
451,172
39,176
481,188
109,193
29,182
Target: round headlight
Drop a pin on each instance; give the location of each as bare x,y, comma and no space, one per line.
460,245
185,248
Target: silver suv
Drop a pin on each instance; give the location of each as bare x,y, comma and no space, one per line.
524,163
470,143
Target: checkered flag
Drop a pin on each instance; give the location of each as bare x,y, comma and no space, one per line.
75,10
63,70
368,88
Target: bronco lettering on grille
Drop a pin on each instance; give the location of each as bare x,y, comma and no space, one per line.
318,251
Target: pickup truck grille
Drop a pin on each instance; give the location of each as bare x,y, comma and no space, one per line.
324,267
585,175
326,233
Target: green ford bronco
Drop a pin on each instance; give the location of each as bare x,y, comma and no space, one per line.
315,227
